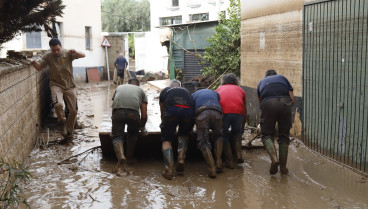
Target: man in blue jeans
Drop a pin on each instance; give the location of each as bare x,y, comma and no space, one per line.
276,97
177,109
233,99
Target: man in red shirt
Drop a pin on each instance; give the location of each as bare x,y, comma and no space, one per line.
232,101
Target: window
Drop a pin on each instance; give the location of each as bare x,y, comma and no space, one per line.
88,38
199,17
170,20
33,40
175,3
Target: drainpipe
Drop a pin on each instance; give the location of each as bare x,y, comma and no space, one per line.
171,62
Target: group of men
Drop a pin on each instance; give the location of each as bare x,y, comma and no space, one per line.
222,111
217,111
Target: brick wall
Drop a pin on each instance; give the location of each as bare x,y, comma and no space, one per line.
24,102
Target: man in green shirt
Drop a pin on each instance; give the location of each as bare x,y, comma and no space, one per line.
62,83
128,100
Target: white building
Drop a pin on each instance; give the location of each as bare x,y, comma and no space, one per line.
79,28
174,12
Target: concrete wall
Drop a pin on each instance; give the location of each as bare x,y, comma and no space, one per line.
271,35
24,101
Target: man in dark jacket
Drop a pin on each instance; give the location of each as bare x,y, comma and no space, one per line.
177,109
276,98
209,116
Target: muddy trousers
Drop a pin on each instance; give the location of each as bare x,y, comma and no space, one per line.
122,117
276,110
210,119
231,152
58,95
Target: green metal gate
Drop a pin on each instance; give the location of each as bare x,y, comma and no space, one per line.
335,81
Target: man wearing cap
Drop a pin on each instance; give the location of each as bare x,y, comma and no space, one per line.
62,83
128,100
276,97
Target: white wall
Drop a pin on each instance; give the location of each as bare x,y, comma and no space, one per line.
149,54
77,15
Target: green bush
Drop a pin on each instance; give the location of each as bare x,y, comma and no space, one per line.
11,175
224,49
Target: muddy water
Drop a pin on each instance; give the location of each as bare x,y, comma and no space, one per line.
88,182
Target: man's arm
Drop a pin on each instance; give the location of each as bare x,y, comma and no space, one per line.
292,97
77,54
143,114
162,110
36,65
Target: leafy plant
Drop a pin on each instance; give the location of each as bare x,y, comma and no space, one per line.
179,74
11,175
224,49
131,45
125,15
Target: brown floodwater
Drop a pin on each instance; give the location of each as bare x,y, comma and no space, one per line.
88,181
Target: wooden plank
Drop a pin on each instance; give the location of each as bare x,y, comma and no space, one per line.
93,75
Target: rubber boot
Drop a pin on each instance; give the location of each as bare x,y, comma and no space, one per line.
62,128
218,152
119,152
229,160
182,150
130,151
210,162
169,164
283,155
237,142
270,148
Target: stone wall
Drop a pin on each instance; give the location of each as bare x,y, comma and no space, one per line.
24,102
117,47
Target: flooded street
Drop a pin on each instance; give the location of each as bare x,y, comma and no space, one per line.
87,180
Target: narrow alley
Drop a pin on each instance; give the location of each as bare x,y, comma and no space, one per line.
87,181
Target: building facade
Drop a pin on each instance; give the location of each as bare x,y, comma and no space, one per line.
171,16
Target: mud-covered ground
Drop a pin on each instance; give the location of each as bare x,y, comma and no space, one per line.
87,181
